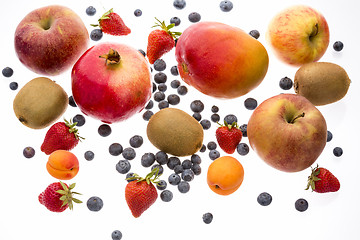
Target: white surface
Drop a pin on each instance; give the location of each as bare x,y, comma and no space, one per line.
238,216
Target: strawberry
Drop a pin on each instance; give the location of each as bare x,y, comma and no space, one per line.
141,193
57,197
322,180
160,41
228,137
111,23
60,136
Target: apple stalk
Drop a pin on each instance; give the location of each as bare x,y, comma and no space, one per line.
298,116
112,57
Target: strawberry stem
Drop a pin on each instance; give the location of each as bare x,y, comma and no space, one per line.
167,28
152,177
73,129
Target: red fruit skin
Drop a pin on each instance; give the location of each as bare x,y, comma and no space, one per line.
228,139
58,137
51,199
140,196
159,43
114,25
111,93
327,183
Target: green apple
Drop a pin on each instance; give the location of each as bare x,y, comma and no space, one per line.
298,35
288,132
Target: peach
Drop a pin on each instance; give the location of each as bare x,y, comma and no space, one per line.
62,165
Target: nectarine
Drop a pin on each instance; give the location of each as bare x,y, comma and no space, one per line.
62,165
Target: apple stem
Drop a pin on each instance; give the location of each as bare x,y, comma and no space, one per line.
298,116
314,31
111,58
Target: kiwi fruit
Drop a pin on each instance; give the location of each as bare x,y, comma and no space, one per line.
175,132
40,102
321,82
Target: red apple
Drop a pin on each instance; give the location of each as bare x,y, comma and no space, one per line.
288,132
298,35
111,82
220,60
50,39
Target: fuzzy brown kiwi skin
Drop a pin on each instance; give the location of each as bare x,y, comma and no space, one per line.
175,132
321,82
40,103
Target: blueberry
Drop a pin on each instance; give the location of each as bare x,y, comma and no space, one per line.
147,115
264,199
186,164
13,85
230,118
187,175
338,46
183,187
94,204
154,87
206,124
337,151
175,20
7,72
162,87
136,141
207,218
159,65
173,161
214,109
197,106
123,166
115,149
182,90
329,136
174,179
255,34
179,4
250,103
161,185
243,129
301,205
161,169
197,116
29,152
173,99
116,235
89,155
129,153
166,195
96,34
203,148
129,176
211,145
142,52
195,159
178,169
104,130
194,17
137,12
163,104
196,168
175,83
79,119
159,96
160,77
286,83
90,11
161,158
215,117
72,101
226,6
214,154
242,149
147,159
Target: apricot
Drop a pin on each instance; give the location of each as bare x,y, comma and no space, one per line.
62,165
225,175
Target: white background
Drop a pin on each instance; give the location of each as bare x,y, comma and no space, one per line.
237,216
